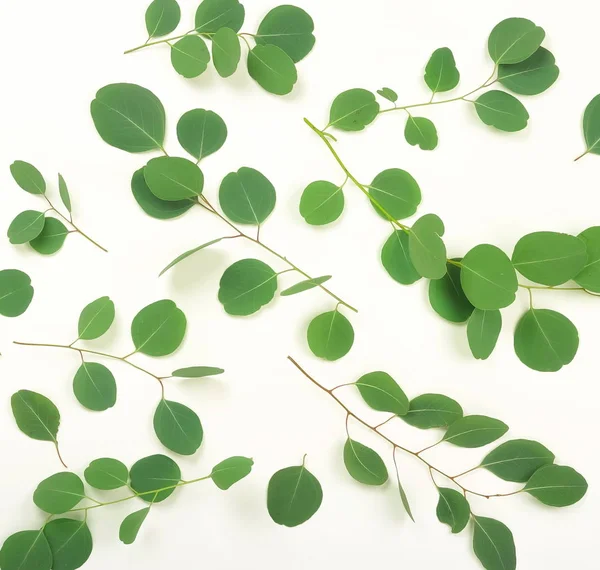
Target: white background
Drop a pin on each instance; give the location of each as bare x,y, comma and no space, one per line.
486,186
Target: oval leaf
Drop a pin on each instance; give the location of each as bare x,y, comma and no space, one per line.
51,238
28,177
26,550
380,391
171,178
531,76
153,206
447,297
433,411
353,110
421,131
475,431
230,471
96,318
106,474
483,330
247,196
158,329
557,486
305,285
493,544
589,277
190,56
364,464
94,387
197,372
322,203
130,527
330,335
517,460
426,247
397,191
187,254
155,478
59,493
453,509
272,69
501,110
16,292
591,126
36,416
212,15
64,193
514,40
162,17
226,51
396,260
201,132
441,73
177,427
70,542
26,226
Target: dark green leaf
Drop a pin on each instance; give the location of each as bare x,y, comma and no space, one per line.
380,391
230,471
158,329
322,203
177,427
591,126
421,131
187,254
447,297
70,542
226,51
153,206
589,277
483,330
397,191
453,509
388,94
106,474
96,318
426,247
557,486
396,259
16,292
155,478
532,76
517,460
353,110
330,335
162,17
201,132
197,372
36,416
173,179
51,238
94,387
514,40
130,527
272,69
212,15
433,411
247,196
501,110
59,493
190,56
26,226
364,464
441,73
475,431
26,550
28,177
64,193
493,544
305,285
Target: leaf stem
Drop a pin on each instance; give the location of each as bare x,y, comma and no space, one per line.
582,155
148,44
59,455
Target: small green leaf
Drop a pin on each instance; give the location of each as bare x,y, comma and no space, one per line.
130,527
364,464
403,496
557,486
388,94
475,431
153,206
589,277
51,238
158,329
447,297
330,335
190,56
155,478
531,76
483,330
380,391
197,372
501,110
591,126
16,292
226,51
353,110
441,73
322,203
177,427
230,471
70,542
396,259
247,196
96,318
517,460
305,285
172,178
514,40
433,411
426,247
272,69
212,15
26,550
187,254
545,340
453,509
59,493
397,191
36,416
94,387
26,226
421,131
162,17
28,177
201,132
64,193
493,544
106,474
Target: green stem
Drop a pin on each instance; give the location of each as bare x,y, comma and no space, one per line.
582,155
148,44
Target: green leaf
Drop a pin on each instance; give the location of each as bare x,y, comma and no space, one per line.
26,226
591,126
441,73
129,117
246,286
155,477
226,51
64,193
549,258
51,238
26,550
353,110
289,28
94,387
397,191
531,76
272,69
433,411
475,431
396,259
421,131
488,278
162,17
330,335
514,40
426,247
557,486
517,460
59,493
305,285
187,254
247,196
172,178
322,203
28,177
380,391
483,330
545,340
16,292
212,15
70,542
153,206
403,496
96,318
294,495
388,94
201,132
190,56
36,416
447,297
177,427
364,464
130,527
158,329
230,471
106,474
493,544
589,277
453,509
501,110
197,372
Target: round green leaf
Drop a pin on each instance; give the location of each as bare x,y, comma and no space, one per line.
162,17
388,94
321,203
247,196
64,193
433,411
172,178
453,509
106,474
190,56
591,126
545,340
26,226
493,544
557,486
475,431
589,277
212,15
155,478
130,527
70,542
364,464
230,471
501,110
514,40
197,372
272,69
289,28
483,330
59,493
441,73
226,51
51,238
517,460
426,247
94,387
246,286
447,297
488,278
153,206
396,259
129,117
177,427
16,292
421,131
532,76
158,329
36,416
330,335
201,132
26,550
380,391
353,110
28,177
397,191
96,318
305,285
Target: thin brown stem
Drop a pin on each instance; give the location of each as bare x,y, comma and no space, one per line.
59,454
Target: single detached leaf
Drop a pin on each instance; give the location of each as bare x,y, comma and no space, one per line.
589,277
396,259
330,335
51,238
129,117
187,254
272,68
483,330
549,258
289,28
447,297
28,177
158,329
26,226
488,278
70,542
230,471
353,110
177,427
226,51
246,286
201,132
16,292
322,203
514,40
36,416
305,285
433,411
545,340
364,464
197,372
247,196
26,550
475,431
106,474
94,387
441,73
426,247
453,509
155,478
557,486
130,527
591,126
96,318
172,178
294,495
190,56
162,17
380,391
59,493
531,76
517,460
388,94
397,191
212,15
421,131
153,206
64,193
501,110
493,544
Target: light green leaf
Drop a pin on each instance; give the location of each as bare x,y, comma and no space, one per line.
190,56
64,193
514,40
272,69
382,393
158,329
353,110
36,416
153,206
201,132
197,372
447,297
155,478
557,486
226,51
70,542
16,292
396,259
26,226
26,550
330,335
453,509
94,387
28,177
501,110
441,73
177,427
426,247
364,464
388,94
172,178
305,285
187,254
96,318
51,238
433,411
475,431
483,330
162,17
130,527
247,196
589,277
591,126
421,131
397,191
517,460
106,474
322,203
531,76
230,471
403,496
59,493
493,544
212,15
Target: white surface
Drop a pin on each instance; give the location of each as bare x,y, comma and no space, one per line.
486,186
